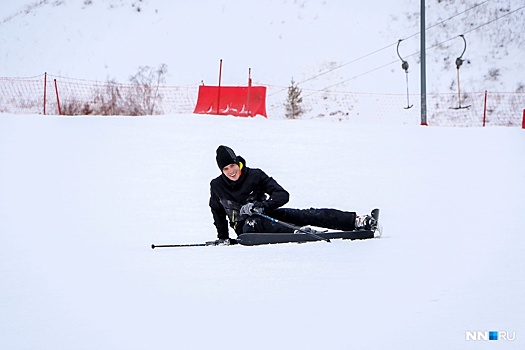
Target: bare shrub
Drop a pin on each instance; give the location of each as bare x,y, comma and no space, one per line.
141,97
71,107
144,97
108,100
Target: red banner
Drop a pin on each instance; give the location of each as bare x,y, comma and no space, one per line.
240,101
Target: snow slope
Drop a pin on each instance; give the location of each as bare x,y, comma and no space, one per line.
96,40
332,43
83,198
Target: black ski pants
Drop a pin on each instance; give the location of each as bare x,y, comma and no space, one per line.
327,218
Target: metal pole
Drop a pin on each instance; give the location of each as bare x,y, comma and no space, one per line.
219,89
153,246
45,87
485,110
58,99
423,68
249,87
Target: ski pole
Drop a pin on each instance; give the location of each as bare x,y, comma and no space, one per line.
294,227
153,246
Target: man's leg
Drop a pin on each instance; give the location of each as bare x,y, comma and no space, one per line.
327,218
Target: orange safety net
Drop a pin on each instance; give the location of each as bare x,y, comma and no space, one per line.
240,101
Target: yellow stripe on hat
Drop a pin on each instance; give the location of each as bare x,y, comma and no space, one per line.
241,165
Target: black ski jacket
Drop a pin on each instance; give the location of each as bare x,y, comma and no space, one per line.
227,198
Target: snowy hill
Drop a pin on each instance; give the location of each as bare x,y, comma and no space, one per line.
323,44
495,45
83,198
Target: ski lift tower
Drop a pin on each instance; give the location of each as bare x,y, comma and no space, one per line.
423,67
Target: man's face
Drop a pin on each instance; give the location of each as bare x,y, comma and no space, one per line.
232,171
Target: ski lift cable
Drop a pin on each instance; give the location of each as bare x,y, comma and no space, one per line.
411,55
418,52
448,19
390,45
354,77
469,31
347,63
494,20
381,49
338,67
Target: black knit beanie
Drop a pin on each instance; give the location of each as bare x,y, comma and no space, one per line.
226,156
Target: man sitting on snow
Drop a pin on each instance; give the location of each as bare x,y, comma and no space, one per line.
241,194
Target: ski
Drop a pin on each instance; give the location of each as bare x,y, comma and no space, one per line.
250,239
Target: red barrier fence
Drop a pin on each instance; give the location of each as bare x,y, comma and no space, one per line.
241,101
38,95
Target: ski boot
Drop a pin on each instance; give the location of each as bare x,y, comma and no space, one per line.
369,222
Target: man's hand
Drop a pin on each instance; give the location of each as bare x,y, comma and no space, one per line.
246,209
252,208
227,241
258,208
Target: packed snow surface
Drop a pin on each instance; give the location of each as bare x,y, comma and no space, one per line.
83,198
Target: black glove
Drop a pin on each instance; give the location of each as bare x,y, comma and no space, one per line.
226,241
258,207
